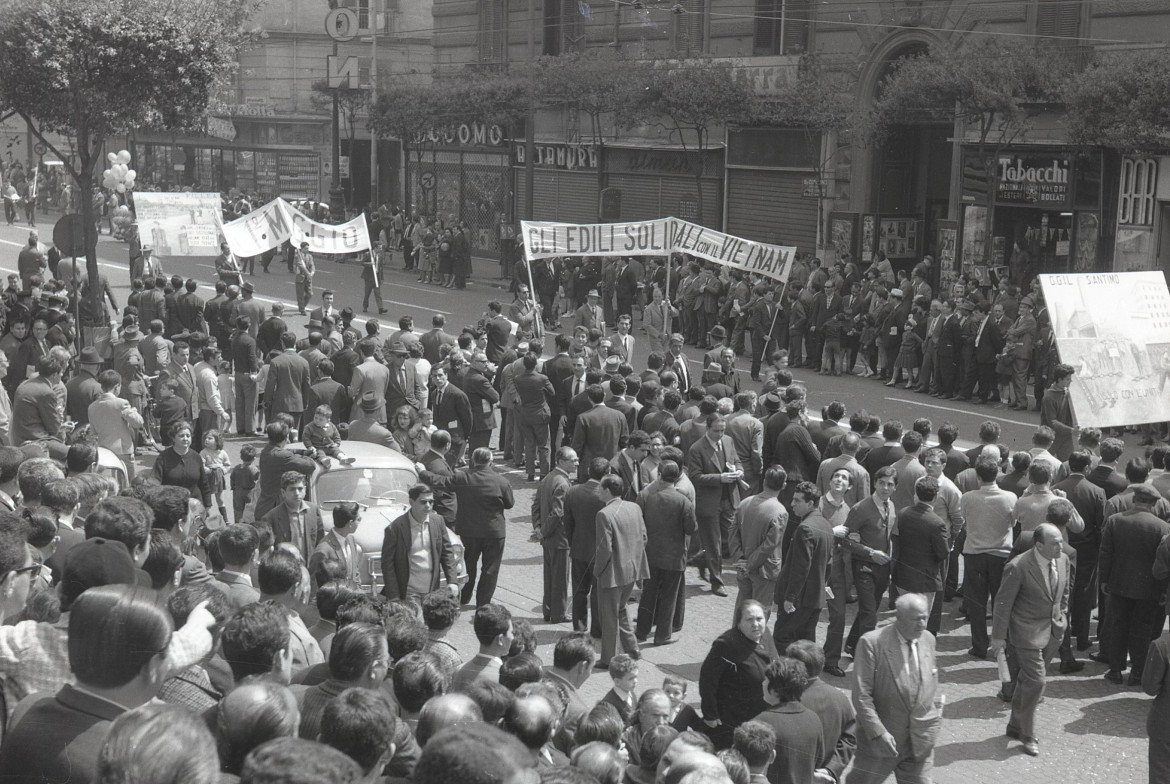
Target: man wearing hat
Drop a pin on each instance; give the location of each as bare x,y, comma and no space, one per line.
251,307
373,266
84,388
403,387
367,427
304,268
713,382
151,266
1018,341
717,339
590,314
125,347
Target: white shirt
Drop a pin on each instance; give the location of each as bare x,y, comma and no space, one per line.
420,557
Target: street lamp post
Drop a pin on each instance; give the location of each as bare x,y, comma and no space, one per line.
336,194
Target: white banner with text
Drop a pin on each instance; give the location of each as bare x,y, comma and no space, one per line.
660,237
271,225
1114,329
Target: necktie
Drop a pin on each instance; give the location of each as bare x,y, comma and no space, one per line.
979,334
1053,579
912,665
576,387
438,398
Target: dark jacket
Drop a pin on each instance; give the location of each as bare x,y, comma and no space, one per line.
483,497
805,570
69,751
920,550
670,522
732,677
582,503
396,556
1128,546
452,412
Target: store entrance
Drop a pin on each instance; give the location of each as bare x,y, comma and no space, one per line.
1030,242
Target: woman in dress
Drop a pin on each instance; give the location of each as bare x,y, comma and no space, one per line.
732,676
182,466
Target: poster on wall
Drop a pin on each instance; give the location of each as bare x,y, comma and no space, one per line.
1087,234
1114,329
974,249
868,237
179,224
899,238
843,232
946,237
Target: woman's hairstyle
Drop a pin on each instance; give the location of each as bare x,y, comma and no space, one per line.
739,611
179,427
114,633
410,413
158,744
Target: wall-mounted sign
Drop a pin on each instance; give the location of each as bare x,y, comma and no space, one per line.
342,24
1139,184
343,72
1040,180
472,134
570,157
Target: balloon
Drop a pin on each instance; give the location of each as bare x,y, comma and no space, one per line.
120,172
123,157
112,157
120,188
131,174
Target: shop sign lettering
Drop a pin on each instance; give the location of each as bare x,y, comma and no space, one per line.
569,157
473,134
1033,179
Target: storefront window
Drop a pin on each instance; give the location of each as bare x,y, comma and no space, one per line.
1087,181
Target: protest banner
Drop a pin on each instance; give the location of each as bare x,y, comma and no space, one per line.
1114,329
659,237
179,224
277,221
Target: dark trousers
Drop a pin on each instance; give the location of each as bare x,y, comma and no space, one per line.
835,636
555,605
759,341
477,439
1134,624
952,585
713,532
492,551
800,624
935,622
1084,592
815,344
987,384
585,617
948,374
984,572
969,373
795,346
871,581
656,607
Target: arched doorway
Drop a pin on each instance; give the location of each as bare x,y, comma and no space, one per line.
910,180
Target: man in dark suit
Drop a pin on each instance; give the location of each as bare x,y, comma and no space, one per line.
669,517
800,589
889,451
434,461
713,467
288,381
832,706
1105,475
275,460
434,340
558,369
246,364
988,345
1089,501
1129,545
483,497
499,331
452,412
189,308
950,339
598,432
238,547
548,518
402,579
1030,618
572,397
826,304
327,391
766,328
920,545
619,562
894,696
582,503
829,427
482,399
293,520
269,332
535,394
345,360
794,448
179,369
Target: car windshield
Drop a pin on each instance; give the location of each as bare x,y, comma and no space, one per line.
369,486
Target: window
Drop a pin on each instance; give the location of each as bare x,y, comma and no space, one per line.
563,25
493,18
782,26
1058,19
688,28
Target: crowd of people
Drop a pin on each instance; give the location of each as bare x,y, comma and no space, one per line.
151,635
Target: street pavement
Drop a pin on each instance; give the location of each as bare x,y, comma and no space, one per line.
1090,730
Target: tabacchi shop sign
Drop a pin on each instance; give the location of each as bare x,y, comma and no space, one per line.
1040,180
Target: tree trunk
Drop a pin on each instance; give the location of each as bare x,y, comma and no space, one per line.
85,161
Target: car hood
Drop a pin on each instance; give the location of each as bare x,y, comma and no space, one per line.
372,529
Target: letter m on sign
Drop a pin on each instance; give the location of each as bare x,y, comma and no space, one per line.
343,73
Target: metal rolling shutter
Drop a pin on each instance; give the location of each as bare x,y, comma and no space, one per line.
641,196
767,206
560,196
677,189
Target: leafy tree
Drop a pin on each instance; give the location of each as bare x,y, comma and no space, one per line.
689,99
600,83
350,103
993,87
1122,100
409,112
93,69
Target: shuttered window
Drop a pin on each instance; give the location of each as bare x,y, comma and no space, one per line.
769,206
782,26
1058,18
492,26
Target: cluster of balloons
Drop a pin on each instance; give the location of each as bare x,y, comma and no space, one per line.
119,177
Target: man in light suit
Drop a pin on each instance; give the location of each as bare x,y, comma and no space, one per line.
402,389
534,394
369,376
894,695
599,432
1031,614
288,381
548,518
620,561
180,370
713,467
341,542
754,541
421,526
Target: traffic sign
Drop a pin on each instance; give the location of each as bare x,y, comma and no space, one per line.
69,235
428,180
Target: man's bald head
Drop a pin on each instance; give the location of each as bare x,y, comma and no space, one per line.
686,743
699,764
531,720
446,710
600,760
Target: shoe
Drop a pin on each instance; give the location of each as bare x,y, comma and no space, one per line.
1135,679
641,638
1113,676
1031,747
601,665
1069,667
1012,733
1083,645
383,310
719,590
976,654
851,650
635,655
1099,657
667,641
835,671
1003,695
